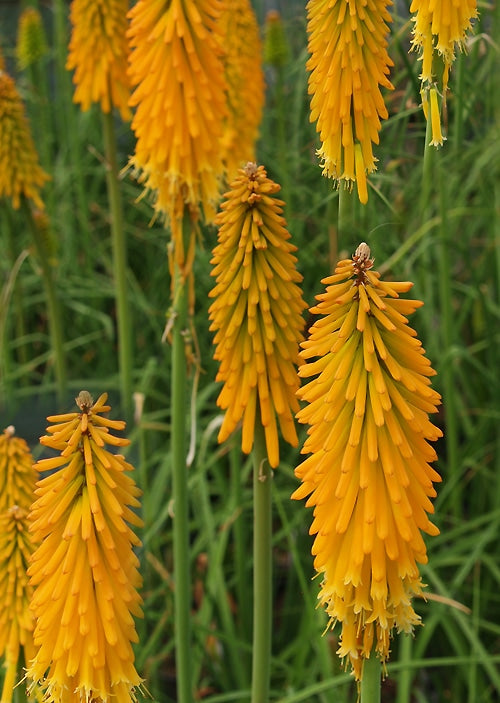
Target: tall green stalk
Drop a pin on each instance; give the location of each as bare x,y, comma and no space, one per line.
240,545
447,339
405,675
119,243
345,217
426,212
371,680
53,307
262,568
179,399
67,128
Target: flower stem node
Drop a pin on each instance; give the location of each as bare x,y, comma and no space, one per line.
368,475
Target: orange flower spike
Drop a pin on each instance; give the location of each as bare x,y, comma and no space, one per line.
245,81
98,51
84,571
348,65
176,65
20,170
257,312
368,474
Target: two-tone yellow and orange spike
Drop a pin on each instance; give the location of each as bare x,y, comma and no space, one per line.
368,474
176,67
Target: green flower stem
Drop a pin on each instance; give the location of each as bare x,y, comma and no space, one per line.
17,303
179,397
240,545
333,232
426,211
282,137
405,674
427,169
345,228
262,568
458,94
371,680
42,124
447,340
54,310
67,127
119,243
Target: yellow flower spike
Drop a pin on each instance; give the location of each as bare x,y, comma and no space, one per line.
17,477
17,484
257,312
98,52
245,81
368,476
84,572
31,41
20,171
441,27
176,65
348,65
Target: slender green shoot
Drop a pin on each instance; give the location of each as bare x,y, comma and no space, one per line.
179,398
66,124
405,674
53,306
240,541
447,340
262,568
345,219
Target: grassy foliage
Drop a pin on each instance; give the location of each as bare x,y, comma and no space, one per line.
439,229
